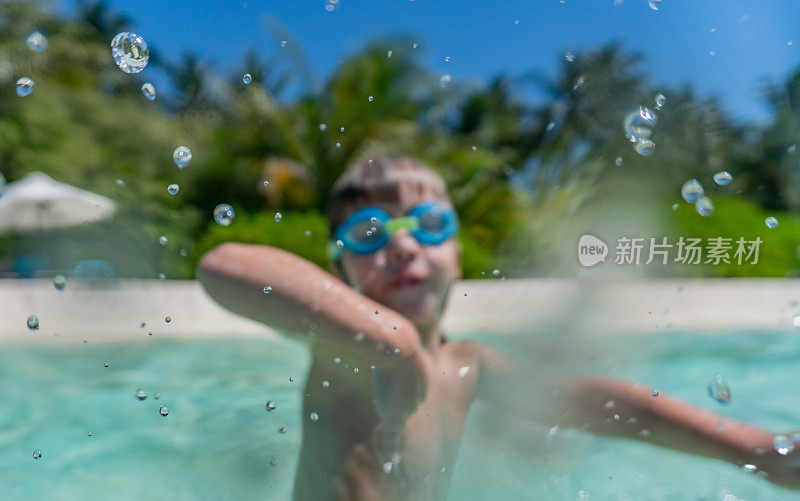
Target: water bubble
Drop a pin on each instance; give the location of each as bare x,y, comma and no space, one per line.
130,52
278,217
163,410
33,322
645,147
314,417
283,429
771,222
326,383
322,127
168,319
247,78
692,190
660,100
639,124
704,206
618,162
782,444
36,42
141,394
445,80
224,214
182,156
569,57
59,282
163,240
267,289
719,390
370,98
723,178
270,406
284,43
654,393
37,454
149,91
24,86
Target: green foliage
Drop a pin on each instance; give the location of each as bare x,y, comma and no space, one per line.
736,218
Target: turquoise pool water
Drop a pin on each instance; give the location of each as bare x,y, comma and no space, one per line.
218,442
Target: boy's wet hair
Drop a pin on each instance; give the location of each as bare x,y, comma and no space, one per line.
381,180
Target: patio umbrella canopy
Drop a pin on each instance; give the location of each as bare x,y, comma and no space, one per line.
38,202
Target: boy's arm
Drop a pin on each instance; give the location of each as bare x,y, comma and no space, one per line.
624,409
305,302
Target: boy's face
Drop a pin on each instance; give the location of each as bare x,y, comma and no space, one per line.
405,275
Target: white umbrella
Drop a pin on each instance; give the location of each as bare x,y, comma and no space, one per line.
37,202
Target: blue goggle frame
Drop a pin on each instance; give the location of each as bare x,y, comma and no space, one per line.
368,230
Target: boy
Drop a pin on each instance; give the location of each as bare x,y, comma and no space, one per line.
390,394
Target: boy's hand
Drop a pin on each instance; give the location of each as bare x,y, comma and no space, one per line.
781,470
397,392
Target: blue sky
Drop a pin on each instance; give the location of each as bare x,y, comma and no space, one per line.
751,40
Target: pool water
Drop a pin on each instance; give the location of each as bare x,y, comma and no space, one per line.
218,441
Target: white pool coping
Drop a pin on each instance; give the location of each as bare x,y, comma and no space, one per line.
115,313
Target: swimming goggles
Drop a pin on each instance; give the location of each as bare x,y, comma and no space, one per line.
368,230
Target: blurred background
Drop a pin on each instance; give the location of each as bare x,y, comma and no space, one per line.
520,107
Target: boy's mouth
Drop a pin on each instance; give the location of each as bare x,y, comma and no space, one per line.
406,282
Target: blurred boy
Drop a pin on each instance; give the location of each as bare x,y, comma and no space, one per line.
391,394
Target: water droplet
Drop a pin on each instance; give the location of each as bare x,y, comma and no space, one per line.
59,282
496,273
173,189
569,57
723,178
105,364
474,148
33,322
326,383
314,417
163,410
692,190
37,454
654,393
246,78
308,233
414,45
224,214
654,4
370,98
338,145
273,462
796,321
782,444
660,101
644,433
445,80
639,124
149,91
389,54
168,319
771,222
284,43
130,52
674,206
120,182
24,86
162,276
618,162
339,244
270,406
283,429
157,396
355,370
322,127
36,42
447,59
278,217
337,360
750,468
267,289
719,390
645,147
291,379
609,405
704,206
141,394
182,156
163,240
462,371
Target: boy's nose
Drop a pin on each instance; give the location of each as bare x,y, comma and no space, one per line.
403,246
